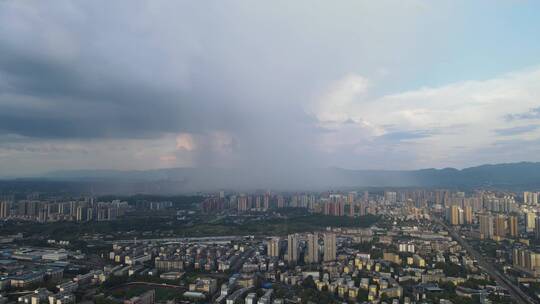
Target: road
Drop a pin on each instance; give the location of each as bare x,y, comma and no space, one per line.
237,265
206,239
180,288
161,285
518,295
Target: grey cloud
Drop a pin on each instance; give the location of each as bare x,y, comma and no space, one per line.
516,130
505,151
105,71
176,68
533,113
405,135
116,91
74,103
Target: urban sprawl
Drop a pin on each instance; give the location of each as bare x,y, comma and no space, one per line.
377,246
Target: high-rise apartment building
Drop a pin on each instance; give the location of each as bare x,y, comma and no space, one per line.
329,247
500,226
390,197
280,202
513,226
4,209
362,208
266,201
468,215
486,226
530,198
525,259
454,215
351,197
242,203
292,248
341,208
312,248
537,229
258,203
530,221
81,213
273,247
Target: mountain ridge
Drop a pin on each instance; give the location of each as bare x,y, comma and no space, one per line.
505,175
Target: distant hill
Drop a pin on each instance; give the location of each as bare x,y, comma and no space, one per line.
524,175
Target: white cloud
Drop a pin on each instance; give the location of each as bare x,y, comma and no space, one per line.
460,118
336,103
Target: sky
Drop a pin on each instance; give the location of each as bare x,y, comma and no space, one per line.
135,85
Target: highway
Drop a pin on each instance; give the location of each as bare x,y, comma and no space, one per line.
518,295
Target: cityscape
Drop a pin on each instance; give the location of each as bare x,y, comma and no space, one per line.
377,245
270,152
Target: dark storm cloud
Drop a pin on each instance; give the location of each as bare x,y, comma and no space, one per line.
135,81
171,68
74,101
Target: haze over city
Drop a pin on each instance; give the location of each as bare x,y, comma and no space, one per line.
275,86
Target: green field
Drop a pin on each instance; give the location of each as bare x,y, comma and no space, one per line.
276,226
160,224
